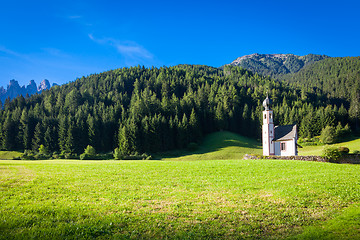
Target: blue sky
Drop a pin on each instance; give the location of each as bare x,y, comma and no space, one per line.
64,40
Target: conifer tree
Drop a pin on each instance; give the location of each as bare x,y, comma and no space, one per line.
194,127
63,128
49,139
38,137
8,134
69,143
124,145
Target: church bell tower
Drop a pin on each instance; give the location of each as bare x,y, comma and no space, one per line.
268,129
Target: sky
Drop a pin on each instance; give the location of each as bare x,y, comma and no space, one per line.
64,40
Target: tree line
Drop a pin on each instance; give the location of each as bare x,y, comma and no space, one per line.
146,110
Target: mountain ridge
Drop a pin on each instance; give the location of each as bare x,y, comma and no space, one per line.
276,65
14,89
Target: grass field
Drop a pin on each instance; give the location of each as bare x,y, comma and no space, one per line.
222,199
317,150
220,145
7,155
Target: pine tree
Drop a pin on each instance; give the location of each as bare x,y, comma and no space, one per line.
24,130
194,127
354,111
38,137
62,133
124,145
92,132
70,144
8,134
49,139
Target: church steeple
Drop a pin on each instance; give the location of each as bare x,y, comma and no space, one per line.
268,128
267,102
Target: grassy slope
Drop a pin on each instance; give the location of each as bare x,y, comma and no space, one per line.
9,155
223,145
317,150
227,145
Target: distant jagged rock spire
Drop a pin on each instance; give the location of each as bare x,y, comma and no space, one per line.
31,88
44,85
14,89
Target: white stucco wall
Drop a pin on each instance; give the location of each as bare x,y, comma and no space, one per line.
290,149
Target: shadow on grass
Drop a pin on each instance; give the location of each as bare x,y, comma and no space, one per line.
212,143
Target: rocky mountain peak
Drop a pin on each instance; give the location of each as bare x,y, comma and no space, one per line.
44,85
14,89
13,84
276,65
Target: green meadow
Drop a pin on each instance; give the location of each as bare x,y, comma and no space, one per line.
9,155
210,196
353,145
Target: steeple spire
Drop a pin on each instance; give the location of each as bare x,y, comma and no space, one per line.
267,102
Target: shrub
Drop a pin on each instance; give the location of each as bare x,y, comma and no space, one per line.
136,156
315,141
31,155
90,150
356,152
342,132
145,156
328,135
117,154
43,150
332,154
69,155
85,156
104,156
28,155
56,155
40,156
344,150
89,153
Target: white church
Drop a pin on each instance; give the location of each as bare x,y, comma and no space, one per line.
278,140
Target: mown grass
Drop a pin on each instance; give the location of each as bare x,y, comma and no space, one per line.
223,199
318,150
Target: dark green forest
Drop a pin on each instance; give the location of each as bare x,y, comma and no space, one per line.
147,110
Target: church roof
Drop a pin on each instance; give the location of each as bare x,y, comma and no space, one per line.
287,132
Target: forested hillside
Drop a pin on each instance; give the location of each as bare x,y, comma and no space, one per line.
335,77
157,109
276,65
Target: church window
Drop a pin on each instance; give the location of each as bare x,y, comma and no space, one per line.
282,146
270,115
264,116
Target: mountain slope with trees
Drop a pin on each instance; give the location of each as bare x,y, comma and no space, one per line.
337,78
276,65
150,110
